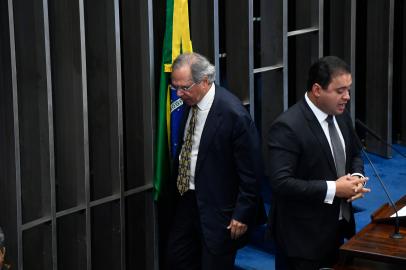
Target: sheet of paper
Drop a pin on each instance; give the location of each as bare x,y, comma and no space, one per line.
401,212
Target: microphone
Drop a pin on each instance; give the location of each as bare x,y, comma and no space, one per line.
396,234
373,134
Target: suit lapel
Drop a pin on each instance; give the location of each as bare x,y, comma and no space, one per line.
211,125
319,134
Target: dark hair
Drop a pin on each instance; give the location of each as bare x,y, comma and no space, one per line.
324,69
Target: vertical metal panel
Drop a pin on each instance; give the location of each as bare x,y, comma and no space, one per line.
237,48
353,57
321,28
50,134
271,34
33,109
251,58
402,78
33,121
201,27
67,103
285,56
216,39
138,91
302,14
149,135
148,95
102,100
268,62
137,43
37,247
106,233
399,74
379,73
303,51
85,133
271,102
120,120
339,35
150,116
390,71
16,132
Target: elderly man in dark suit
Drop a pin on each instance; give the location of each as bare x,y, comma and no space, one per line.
315,171
217,171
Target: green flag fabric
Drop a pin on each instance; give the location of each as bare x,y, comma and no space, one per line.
176,41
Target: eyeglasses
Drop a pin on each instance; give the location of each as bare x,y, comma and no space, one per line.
183,88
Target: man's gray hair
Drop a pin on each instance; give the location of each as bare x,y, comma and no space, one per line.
200,67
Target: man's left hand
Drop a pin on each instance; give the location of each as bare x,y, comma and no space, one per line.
361,191
237,229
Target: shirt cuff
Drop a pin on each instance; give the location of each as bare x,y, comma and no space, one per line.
360,175
331,192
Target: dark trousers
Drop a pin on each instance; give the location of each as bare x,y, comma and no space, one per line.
186,247
288,263
282,262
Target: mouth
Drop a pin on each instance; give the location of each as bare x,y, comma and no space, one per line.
187,101
342,106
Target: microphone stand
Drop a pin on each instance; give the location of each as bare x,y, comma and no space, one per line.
396,234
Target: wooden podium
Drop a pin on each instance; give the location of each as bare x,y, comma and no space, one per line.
373,248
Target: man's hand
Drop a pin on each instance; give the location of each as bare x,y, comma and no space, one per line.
349,186
360,191
237,229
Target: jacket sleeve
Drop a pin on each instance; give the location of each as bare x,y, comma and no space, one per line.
285,152
248,162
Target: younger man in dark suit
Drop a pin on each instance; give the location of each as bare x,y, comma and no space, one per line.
217,173
315,171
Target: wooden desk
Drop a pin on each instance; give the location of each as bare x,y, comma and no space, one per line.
374,242
372,247
382,215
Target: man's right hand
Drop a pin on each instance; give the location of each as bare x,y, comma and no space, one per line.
348,186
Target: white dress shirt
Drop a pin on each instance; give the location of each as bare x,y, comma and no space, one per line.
321,117
203,108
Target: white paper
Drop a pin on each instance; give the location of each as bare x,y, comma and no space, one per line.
401,212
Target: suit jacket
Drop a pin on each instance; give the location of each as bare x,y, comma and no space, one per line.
300,163
228,171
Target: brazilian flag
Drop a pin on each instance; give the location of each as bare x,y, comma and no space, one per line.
170,107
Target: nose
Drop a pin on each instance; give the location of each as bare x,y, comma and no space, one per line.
347,95
179,93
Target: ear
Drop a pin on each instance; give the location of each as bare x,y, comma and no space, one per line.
316,90
205,83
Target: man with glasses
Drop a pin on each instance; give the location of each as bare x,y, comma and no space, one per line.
216,171
315,171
